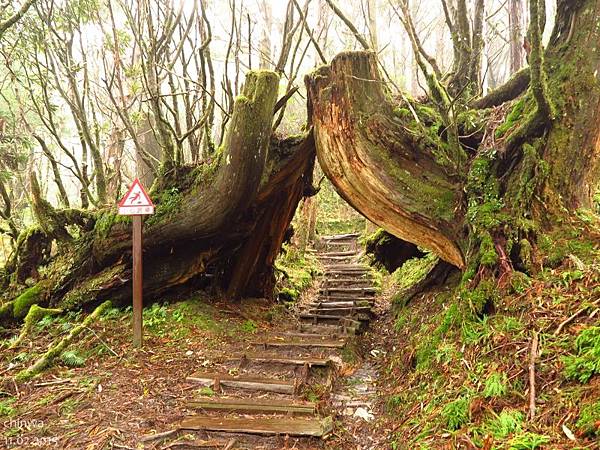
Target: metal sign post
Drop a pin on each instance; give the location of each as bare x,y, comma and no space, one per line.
137,203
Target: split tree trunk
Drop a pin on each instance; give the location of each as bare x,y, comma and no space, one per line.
386,164
226,219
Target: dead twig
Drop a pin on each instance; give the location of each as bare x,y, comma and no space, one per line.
532,357
574,316
157,436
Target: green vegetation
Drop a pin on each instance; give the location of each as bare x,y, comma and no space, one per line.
456,413
586,361
28,298
495,385
588,422
504,424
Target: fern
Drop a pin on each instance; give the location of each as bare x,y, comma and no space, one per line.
527,441
586,363
72,359
456,413
495,385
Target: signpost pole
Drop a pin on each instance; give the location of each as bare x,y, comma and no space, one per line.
137,203
138,302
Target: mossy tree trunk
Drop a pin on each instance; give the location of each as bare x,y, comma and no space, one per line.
222,222
393,160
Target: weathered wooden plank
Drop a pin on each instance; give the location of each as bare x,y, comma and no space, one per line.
360,311
340,304
263,426
276,359
345,298
348,290
302,343
338,237
244,382
315,318
264,406
342,253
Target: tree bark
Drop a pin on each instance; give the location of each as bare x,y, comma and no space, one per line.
388,165
224,221
375,165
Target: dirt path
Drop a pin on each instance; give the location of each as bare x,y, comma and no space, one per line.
255,399
210,375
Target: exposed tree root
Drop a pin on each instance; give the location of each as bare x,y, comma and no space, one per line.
55,351
35,314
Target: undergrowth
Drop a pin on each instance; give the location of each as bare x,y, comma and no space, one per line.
458,356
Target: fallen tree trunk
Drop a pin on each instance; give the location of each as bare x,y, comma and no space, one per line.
222,221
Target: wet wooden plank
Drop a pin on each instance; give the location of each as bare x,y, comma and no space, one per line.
244,382
317,317
330,343
263,426
348,290
345,298
259,406
276,359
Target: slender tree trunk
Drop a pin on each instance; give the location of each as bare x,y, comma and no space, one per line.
515,27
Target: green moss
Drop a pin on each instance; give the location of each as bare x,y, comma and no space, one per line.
28,298
6,310
168,204
487,250
87,290
512,119
410,273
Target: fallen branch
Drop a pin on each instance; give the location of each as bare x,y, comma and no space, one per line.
157,436
35,314
532,358
574,316
55,351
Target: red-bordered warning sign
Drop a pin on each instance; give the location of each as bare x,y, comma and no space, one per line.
136,202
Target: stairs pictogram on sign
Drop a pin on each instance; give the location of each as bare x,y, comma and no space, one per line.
136,202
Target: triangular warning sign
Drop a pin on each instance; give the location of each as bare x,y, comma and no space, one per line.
136,202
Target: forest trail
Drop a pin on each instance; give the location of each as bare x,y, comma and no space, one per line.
253,400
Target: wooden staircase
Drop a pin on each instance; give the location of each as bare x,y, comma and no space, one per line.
258,394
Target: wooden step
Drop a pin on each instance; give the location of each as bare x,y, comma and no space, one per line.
346,281
302,343
316,318
336,258
312,336
345,298
333,330
358,311
345,268
337,237
343,253
244,382
340,304
264,426
276,359
253,405
348,291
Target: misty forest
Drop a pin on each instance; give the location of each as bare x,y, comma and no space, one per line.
300,224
